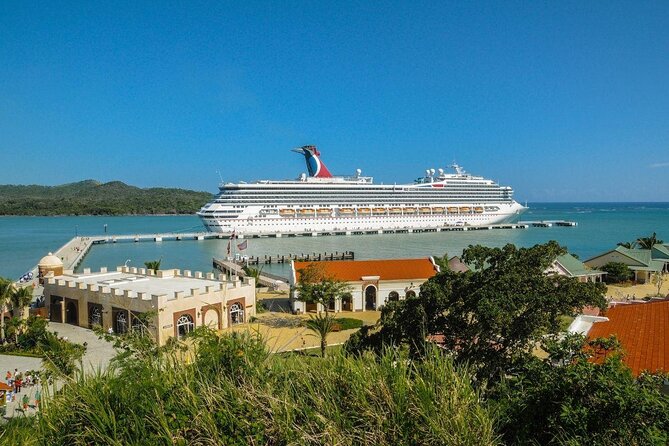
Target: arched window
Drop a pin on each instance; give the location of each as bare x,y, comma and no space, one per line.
96,316
347,302
393,296
236,314
121,322
184,325
411,293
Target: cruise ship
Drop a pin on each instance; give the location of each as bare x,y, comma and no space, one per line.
319,202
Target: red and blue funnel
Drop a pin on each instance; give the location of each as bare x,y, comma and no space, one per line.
314,164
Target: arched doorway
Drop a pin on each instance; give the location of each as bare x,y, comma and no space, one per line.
211,319
410,293
393,296
184,325
236,314
94,315
347,302
71,313
370,298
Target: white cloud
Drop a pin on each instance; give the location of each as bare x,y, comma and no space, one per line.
658,165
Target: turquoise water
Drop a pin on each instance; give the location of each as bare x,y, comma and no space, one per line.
24,240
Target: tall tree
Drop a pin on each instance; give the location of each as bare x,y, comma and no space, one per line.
494,316
649,242
321,325
6,287
21,298
315,286
628,245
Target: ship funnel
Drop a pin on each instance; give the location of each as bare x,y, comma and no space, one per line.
314,164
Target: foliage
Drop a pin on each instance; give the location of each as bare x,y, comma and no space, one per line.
321,325
253,272
569,399
235,393
21,298
348,323
93,198
6,286
628,245
316,287
617,272
153,265
490,318
648,242
442,262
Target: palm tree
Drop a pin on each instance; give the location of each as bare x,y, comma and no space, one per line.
253,272
628,245
6,287
21,298
649,242
153,265
321,325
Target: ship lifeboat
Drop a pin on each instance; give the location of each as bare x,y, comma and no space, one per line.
452,210
395,210
409,210
345,211
465,210
364,211
378,211
437,210
306,212
478,209
287,212
425,210
324,211
491,208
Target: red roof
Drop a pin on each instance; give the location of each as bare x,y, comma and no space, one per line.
642,329
354,270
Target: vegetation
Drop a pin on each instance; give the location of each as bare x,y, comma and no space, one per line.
234,393
617,272
153,265
648,242
93,198
316,287
657,279
5,291
579,401
491,318
321,325
628,245
253,272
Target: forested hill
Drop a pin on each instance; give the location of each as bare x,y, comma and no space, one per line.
94,198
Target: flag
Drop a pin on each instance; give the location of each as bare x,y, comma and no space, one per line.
233,235
243,245
229,246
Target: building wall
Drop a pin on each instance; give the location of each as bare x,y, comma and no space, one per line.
357,290
165,308
613,256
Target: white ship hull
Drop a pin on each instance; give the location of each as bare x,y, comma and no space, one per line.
338,224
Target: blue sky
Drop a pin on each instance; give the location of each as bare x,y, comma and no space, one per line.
564,101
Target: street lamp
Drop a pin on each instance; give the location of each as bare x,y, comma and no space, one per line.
126,262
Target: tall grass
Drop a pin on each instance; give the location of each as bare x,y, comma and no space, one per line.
234,393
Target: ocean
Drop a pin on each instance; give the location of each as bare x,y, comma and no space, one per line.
24,240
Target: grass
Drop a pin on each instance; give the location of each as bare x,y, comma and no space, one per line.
235,393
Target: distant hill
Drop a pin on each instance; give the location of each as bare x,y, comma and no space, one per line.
91,197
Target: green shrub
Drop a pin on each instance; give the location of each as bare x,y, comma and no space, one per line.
617,272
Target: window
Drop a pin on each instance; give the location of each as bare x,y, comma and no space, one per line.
184,325
121,322
236,314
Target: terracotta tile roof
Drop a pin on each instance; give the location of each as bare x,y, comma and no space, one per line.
643,331
395,269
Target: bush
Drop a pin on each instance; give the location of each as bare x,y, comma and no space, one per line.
233,392
617,272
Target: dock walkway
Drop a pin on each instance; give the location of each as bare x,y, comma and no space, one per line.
265,279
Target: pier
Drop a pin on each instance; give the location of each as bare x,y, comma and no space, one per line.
549,223
313,257
265,279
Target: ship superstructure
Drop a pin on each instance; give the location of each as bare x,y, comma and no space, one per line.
320,202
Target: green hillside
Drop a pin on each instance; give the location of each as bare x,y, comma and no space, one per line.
94,198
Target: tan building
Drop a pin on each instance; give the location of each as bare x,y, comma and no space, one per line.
642,262
372,283
176,302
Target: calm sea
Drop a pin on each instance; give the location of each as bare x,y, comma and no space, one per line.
24,240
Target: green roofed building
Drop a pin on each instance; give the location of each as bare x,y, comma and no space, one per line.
564,265
642,262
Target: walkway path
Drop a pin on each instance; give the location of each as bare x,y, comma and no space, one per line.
98,351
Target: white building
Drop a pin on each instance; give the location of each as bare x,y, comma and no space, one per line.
175,302
371,283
